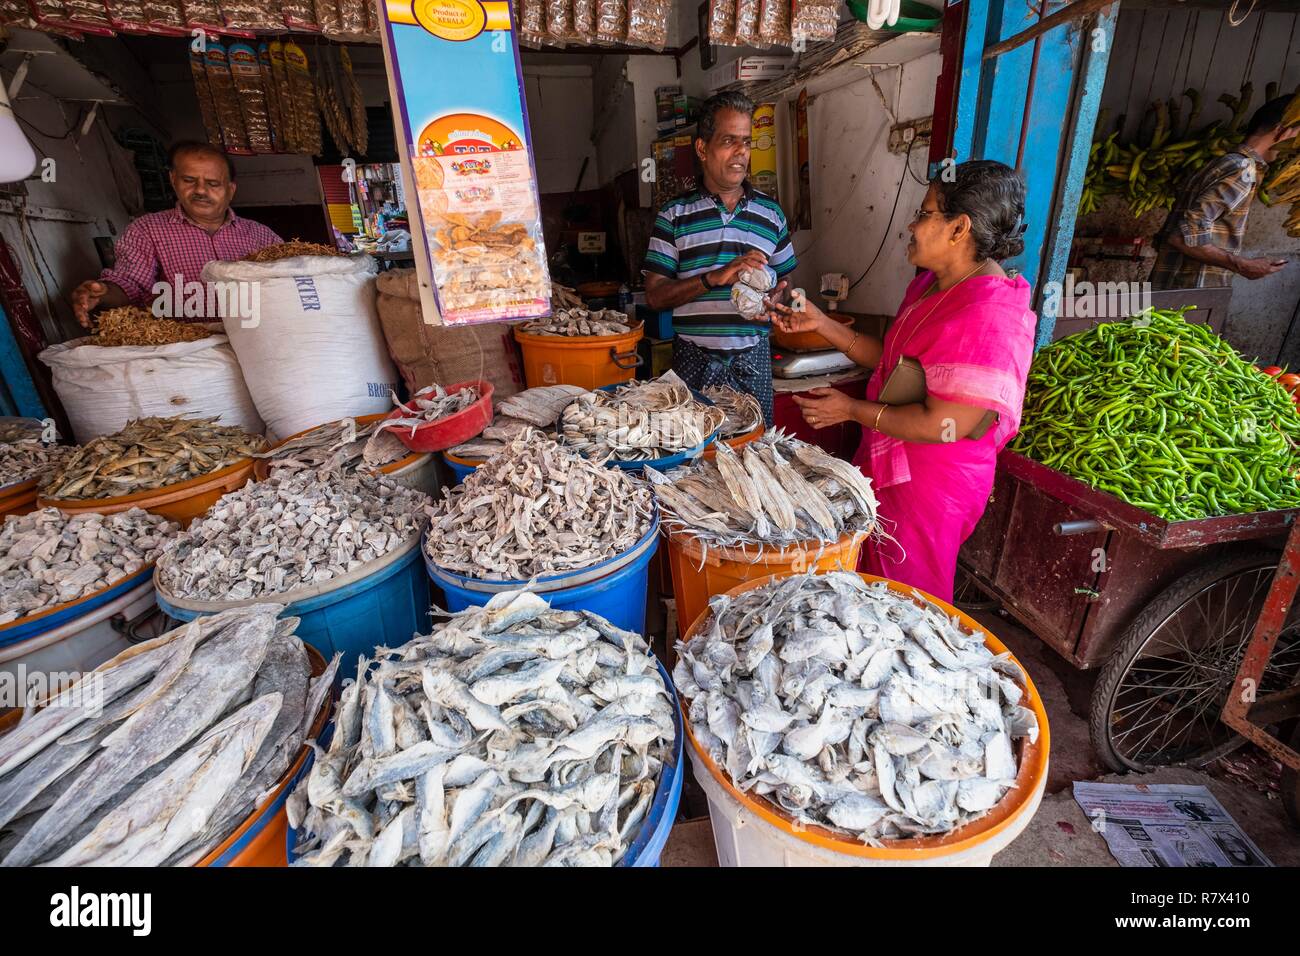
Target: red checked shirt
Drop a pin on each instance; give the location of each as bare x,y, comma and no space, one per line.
163,245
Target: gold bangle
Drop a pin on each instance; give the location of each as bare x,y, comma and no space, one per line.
875,427
852,342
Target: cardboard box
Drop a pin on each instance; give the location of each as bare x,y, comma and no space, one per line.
748,69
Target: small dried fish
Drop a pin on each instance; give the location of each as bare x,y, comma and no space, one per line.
537,509
288,532
778,491
344,446
288,250
21,461
579,321
520,758
430,404
150,453
132,325
639,421
744,414
20,429
854,707
49,558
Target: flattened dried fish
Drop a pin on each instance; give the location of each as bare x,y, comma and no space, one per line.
344,446
743,412
639,421
430,404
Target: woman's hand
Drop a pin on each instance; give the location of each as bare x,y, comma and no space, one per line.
826,406
787,320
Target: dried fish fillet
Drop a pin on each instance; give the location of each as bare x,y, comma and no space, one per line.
344,446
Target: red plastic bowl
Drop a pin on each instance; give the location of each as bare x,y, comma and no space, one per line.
450,431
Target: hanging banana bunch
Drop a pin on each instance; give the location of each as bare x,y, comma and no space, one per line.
1282,185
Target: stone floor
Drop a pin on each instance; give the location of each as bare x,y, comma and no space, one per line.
1060,834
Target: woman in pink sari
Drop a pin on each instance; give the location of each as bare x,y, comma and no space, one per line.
972,329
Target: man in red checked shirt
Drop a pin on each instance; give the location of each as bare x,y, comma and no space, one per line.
173,246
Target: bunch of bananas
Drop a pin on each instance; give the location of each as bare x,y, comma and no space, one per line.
1282,185
1148,175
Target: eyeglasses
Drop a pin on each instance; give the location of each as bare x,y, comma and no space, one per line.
924,213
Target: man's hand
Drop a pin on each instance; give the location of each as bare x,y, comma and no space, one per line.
728,274
85,297
1257,268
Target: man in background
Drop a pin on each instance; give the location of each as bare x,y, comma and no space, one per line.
1200,244
701,243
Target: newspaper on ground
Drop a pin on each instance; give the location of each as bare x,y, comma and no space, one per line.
1166,825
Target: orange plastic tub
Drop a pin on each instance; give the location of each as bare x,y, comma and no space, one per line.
261,465
807,341
183,501
750,830
698,575
737,443
19,499
588,361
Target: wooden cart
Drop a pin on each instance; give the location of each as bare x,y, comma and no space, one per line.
1192,622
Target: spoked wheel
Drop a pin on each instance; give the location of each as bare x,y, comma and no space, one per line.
967,595
1158,699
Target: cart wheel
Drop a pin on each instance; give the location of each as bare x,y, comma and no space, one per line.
1291,783
966,594
1158,698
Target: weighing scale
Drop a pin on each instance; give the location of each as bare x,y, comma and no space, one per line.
796,364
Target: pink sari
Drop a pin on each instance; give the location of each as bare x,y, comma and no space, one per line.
975,342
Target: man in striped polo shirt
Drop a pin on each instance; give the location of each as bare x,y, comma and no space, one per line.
701,243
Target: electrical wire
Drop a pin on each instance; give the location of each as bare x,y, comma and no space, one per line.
889,225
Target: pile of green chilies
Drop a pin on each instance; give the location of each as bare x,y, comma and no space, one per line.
1165,415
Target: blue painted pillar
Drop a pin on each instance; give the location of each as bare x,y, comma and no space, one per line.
16,379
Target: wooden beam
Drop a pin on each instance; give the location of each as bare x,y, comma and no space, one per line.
1075,11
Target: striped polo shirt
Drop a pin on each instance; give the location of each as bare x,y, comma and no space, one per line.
694,234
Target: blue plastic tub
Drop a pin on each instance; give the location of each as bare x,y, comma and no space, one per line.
648,845
27,628
461,471
619,596
385,607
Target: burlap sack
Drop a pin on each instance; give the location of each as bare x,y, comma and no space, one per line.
425,353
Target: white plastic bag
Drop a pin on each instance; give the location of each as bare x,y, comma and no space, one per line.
104,388
313,352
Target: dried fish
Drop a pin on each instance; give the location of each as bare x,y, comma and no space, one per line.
290,531
22,461
150,453
221,706
639,421
132,325
430,404
20,429
344,446
537,509
532,412
559,768
579,321
853,707
289,250
744,414
49,558
777,492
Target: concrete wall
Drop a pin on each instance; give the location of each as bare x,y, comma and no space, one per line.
560,117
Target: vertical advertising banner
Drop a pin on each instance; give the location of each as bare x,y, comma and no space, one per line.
458,99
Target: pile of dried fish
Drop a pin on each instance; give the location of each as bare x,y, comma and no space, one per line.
534,411
777,491
853,707
344,446
288,532
22,461
430,404
150,453
639,421
288,250
132,325
20,429
743,412
49,558
536,509
513,735
569,322
196,728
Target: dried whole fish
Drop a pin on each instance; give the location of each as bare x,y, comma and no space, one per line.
20,429
579,321
195,727
288,250
49,558
854,707
639,421
150,453
290,531
744,414
132,325
22,461
532,412
343,446
537,509
512,735
430,404
775,492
